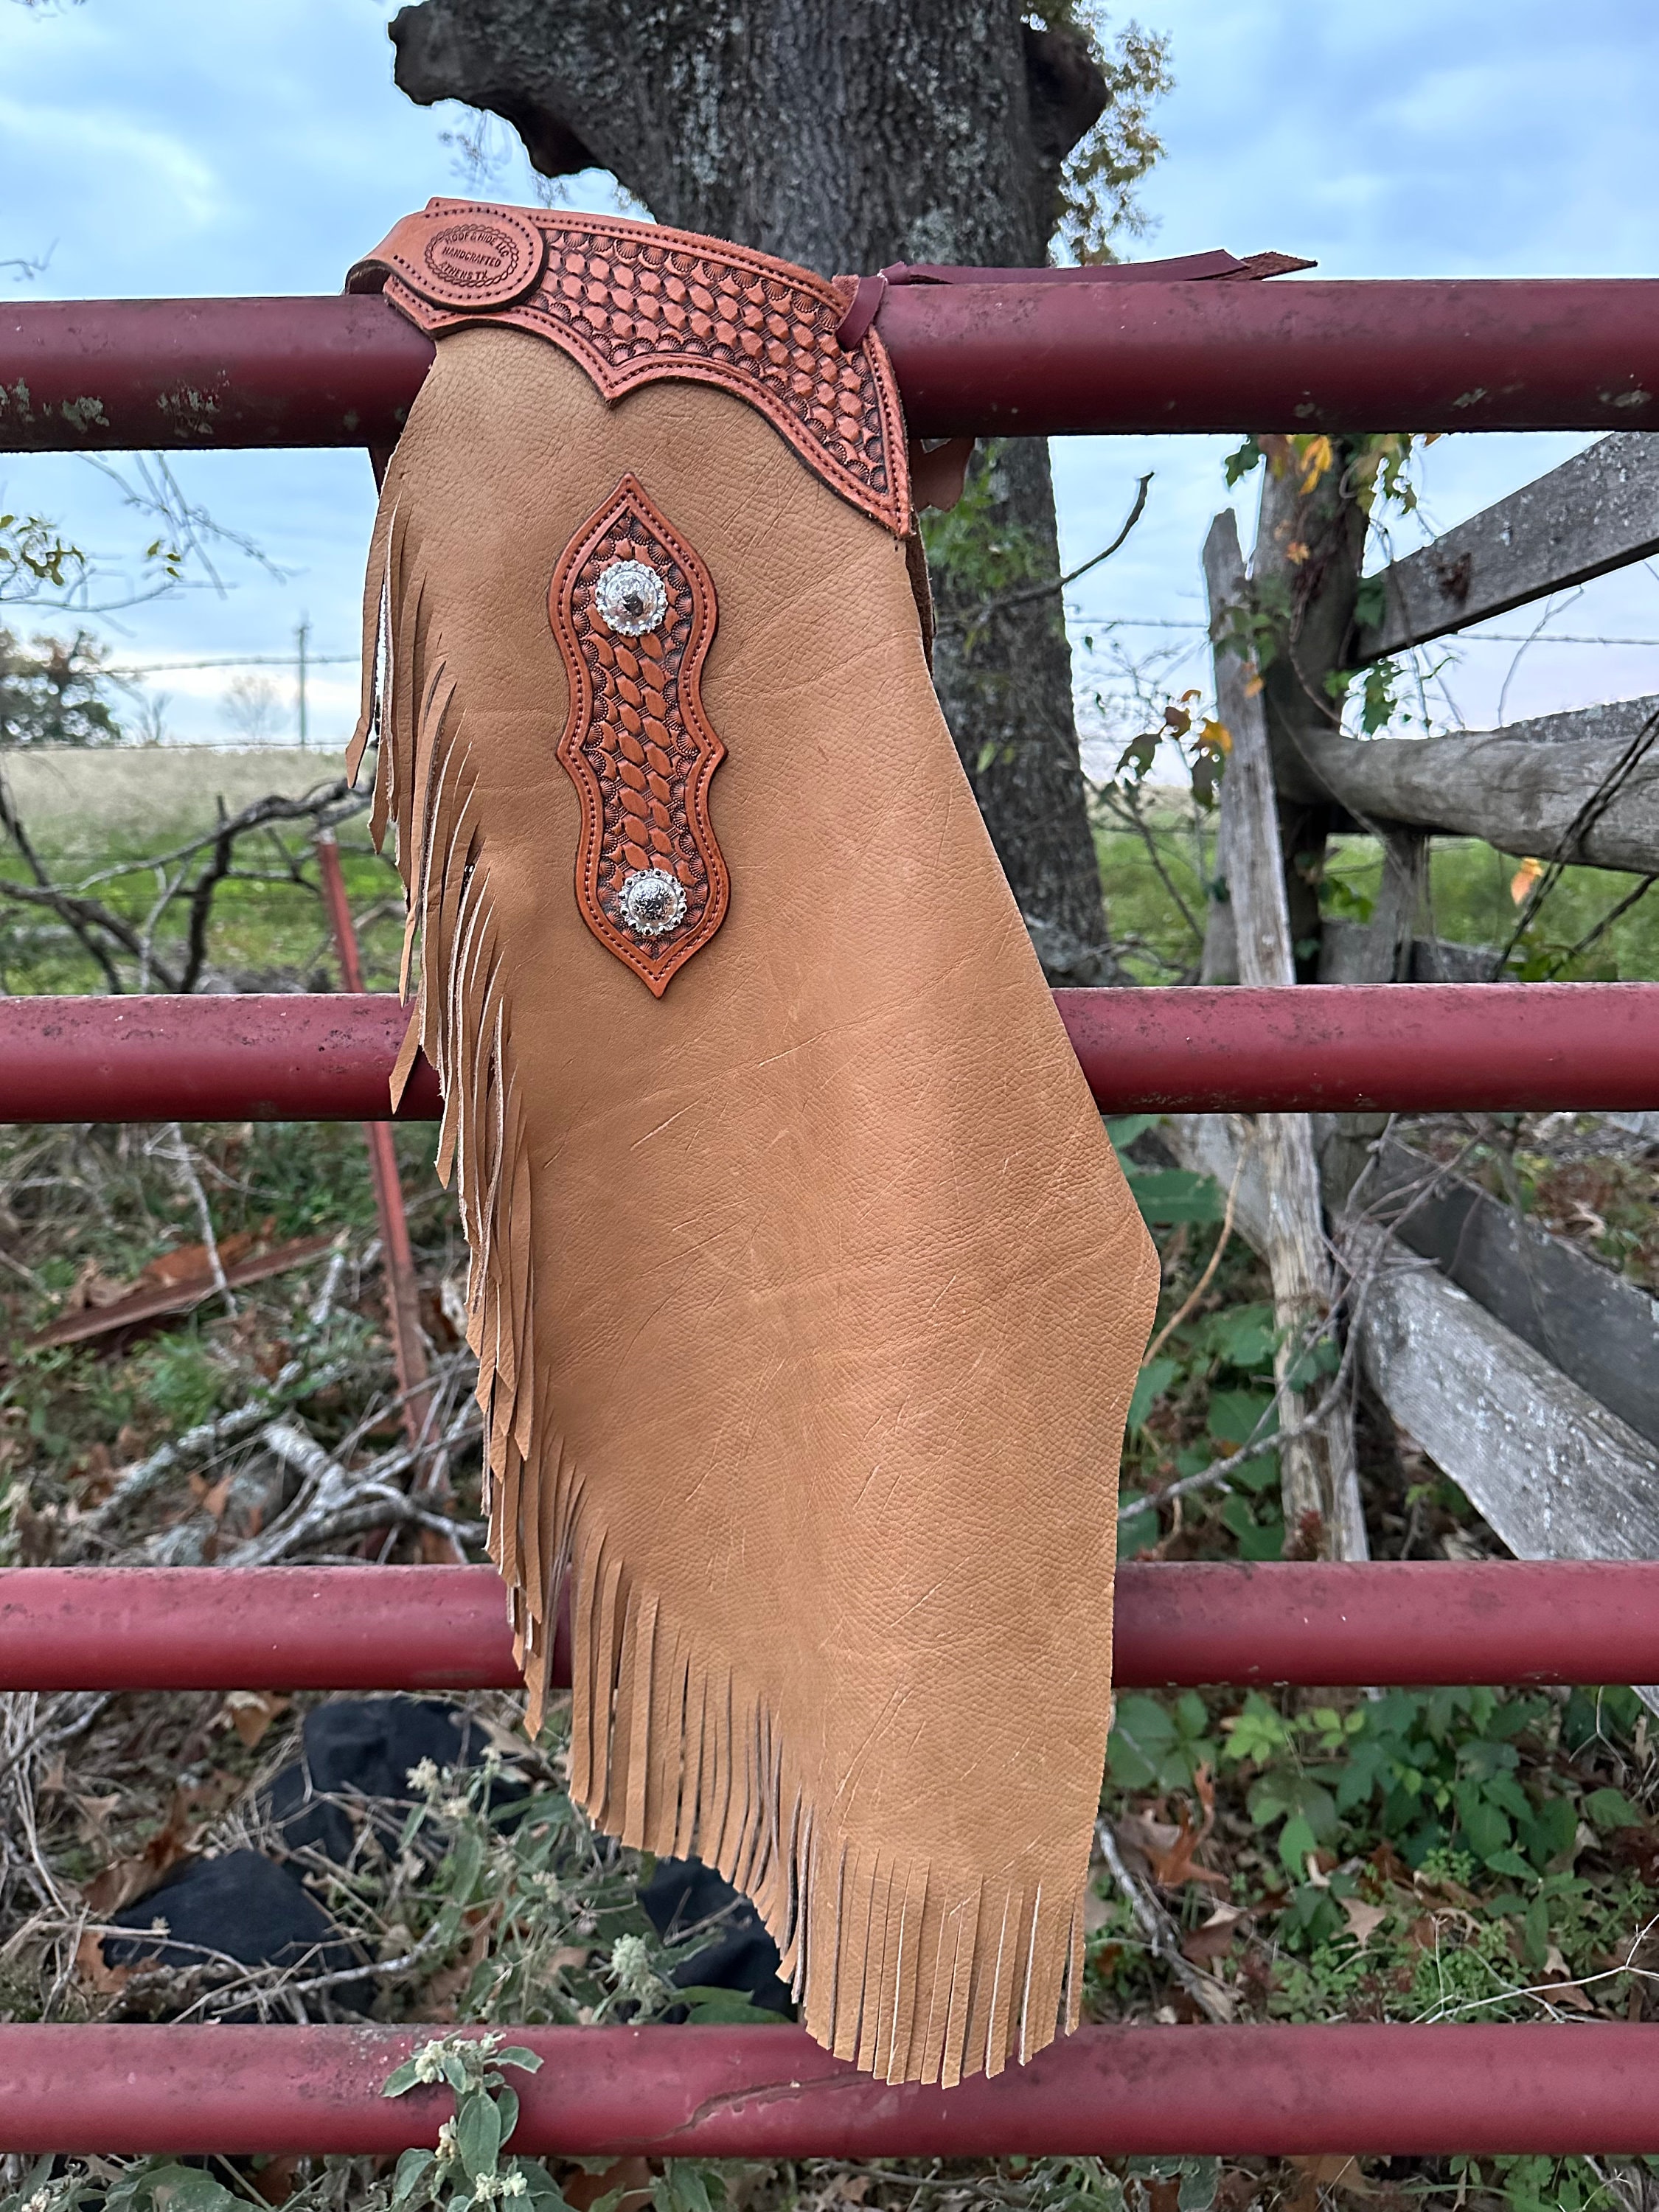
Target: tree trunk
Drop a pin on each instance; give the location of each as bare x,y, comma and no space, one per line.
841,138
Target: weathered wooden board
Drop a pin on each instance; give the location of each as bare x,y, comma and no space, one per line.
1524,789
1554,1472
1349,953
1598,511
1600,1330
1320,1479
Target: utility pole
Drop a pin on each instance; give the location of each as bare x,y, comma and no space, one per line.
301,639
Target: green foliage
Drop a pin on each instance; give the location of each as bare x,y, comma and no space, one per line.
56,691
467,2167
972,544
1160,1744
1100,176
34,556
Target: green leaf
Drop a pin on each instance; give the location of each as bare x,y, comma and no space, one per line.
1609,1809
1137,1526
1510,1864
506,2109
1154,1379
1235,1416
1167,1196
401,2079
1296,1840
528,2061
478,2134
1486,1827
1200,2178
187,2189
713,2007
1142,1734
1124,1132
412,2169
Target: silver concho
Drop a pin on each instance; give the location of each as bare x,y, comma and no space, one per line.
652,902
630,597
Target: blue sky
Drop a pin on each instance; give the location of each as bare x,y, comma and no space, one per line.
176,147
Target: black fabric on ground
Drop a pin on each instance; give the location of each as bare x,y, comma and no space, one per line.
684,1893
246,1907
364,1748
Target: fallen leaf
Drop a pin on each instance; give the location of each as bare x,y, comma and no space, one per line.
1173,1865
211,1497
178,1838
1364,1920
89,1965
1214,1938
250,1712
1096,1911
1331,2169
1562,1988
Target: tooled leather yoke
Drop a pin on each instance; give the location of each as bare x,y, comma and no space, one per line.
633,302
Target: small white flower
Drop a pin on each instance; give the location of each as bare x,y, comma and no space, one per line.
447,2152
455,1808
492,1760
514,2183
429,2064
424,1777
631,1967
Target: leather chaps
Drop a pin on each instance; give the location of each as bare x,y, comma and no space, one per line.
807,1295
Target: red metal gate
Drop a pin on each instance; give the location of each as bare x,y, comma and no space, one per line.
1020,358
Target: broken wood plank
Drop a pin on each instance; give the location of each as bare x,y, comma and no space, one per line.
1556,1473
1599,1329
1596,512
1581,787
1318,1469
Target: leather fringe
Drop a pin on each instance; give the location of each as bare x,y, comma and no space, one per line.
895,1968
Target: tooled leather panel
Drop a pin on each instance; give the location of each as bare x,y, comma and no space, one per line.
634,301
633,608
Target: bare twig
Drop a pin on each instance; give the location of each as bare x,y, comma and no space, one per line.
1190,1304
1213,1998
179,1153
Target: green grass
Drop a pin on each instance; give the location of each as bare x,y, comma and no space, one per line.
1149,879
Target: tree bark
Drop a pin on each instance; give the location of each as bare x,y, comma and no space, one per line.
841,138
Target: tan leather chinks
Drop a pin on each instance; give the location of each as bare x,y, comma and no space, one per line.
806,1292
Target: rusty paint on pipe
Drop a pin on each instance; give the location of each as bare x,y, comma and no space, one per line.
1481,353
770,2093
1320,1048
1424,1623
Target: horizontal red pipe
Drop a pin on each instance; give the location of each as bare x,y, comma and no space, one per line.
1328,1047
770,2093
424,1628
1482,354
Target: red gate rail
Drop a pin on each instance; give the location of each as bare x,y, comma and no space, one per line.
1481,353
765,2093
1423,1623
1329,1047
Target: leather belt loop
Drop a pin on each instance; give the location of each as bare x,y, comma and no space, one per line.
867,297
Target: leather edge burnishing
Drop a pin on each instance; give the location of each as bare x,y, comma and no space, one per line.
634,611
633,302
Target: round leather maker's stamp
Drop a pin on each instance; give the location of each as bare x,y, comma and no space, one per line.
474,257
478,260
